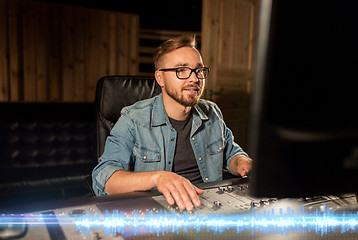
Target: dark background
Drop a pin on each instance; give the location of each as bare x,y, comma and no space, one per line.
159,14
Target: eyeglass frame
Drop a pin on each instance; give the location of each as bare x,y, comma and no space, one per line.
191,69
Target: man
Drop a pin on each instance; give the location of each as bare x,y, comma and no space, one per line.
174,139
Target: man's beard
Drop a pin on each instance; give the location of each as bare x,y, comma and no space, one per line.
192,100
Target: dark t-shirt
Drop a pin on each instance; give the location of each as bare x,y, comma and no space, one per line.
184,162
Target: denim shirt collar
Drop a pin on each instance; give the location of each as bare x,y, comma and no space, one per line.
160,117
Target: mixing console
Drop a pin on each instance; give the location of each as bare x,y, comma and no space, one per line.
140,216
224,200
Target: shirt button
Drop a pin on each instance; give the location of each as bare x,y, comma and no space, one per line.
169,162
206,179
193,139
199,159
172,139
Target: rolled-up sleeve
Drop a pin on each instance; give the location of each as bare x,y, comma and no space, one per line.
232,148
117,154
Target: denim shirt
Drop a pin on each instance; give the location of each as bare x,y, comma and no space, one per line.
144,136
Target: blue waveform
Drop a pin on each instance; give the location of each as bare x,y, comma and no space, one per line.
162,222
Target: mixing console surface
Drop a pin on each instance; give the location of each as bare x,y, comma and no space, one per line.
95,219
224,200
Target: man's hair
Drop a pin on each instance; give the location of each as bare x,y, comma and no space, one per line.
171,45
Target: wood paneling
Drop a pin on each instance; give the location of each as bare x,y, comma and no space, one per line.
4,84
227,48
150,39
14,64
52,52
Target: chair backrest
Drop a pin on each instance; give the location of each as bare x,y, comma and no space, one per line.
115,92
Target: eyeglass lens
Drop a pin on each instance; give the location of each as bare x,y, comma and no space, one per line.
185,72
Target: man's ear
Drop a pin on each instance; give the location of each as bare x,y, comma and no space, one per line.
158,78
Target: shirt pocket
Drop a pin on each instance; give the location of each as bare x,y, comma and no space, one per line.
146,155
216,147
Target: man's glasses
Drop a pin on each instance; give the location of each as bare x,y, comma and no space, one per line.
185,72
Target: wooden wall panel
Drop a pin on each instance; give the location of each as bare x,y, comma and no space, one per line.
210,43
29,34
112,42
14,64
128,60
52,52
227,46
133,45
79,85
123,30
92,48
235,38
4,74
68,52
41,55
55,52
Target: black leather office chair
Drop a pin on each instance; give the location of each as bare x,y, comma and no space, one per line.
115,92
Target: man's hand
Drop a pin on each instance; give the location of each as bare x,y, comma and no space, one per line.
177,189
240,165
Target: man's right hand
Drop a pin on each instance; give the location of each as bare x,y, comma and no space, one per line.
177,189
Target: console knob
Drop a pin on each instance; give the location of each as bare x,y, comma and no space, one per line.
217,203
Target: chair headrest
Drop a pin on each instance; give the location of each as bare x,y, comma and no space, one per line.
115,92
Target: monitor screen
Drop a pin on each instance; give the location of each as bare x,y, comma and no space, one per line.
304,124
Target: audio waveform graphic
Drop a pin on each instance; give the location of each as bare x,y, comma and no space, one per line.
162,222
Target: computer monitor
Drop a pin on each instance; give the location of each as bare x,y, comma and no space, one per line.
304,124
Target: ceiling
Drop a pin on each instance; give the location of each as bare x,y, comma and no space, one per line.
159,14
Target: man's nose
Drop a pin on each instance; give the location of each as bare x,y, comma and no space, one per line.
193,77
